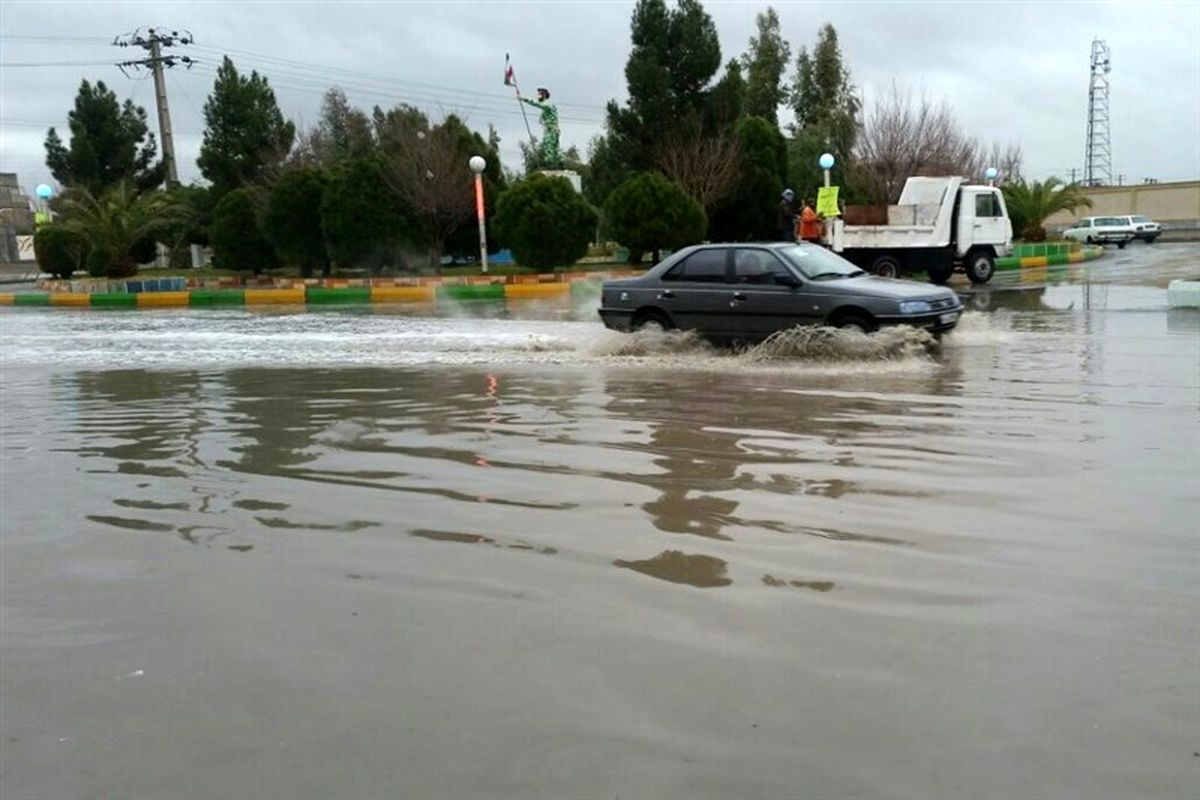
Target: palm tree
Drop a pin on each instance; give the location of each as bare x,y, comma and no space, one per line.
1031,204
118,223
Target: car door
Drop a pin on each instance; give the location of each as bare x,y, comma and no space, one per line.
764,297
697,292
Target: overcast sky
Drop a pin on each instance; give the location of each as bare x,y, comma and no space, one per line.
1011,71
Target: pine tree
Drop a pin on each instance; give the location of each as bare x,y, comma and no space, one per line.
110,143
246,136
765,64
827,112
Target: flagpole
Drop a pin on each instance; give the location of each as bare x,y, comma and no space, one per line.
509,73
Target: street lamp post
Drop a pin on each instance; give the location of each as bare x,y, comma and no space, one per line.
991,174
826,162
478,165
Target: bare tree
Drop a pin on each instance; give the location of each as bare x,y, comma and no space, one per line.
707,167
426,167
903,136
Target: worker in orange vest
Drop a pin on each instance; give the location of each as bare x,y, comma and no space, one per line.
810,223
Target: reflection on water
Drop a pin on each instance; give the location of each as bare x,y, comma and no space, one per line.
480,577
702,571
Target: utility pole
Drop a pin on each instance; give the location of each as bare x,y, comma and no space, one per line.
154,42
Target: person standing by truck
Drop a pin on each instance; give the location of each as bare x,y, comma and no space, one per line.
785,222
810,223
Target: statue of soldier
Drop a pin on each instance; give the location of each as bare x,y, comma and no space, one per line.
551,158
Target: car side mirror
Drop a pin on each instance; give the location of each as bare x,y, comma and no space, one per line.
788,279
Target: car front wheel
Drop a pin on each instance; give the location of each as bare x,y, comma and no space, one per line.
854,322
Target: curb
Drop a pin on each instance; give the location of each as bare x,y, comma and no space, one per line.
1085,253
306,295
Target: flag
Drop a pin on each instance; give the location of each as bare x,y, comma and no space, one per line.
509,78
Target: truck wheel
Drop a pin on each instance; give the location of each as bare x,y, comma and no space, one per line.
940,274
1121,245
980,266
886,267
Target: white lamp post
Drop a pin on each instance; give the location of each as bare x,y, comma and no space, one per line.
478,165
826,162
991,174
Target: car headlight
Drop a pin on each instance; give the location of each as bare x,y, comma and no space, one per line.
915,307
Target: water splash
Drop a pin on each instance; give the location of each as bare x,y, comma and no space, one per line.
979,329
650,341
833,344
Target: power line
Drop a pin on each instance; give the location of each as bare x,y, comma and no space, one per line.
40,38
367,76
14,64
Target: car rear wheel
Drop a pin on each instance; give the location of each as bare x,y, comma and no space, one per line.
1150,239
886,267
651,320
1121,245
1090,240
980,266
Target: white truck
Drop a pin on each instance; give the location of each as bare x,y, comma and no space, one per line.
939,225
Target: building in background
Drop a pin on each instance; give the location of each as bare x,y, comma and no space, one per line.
16,221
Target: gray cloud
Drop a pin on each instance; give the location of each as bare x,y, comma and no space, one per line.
1011,71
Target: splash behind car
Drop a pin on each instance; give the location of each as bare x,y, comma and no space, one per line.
746,292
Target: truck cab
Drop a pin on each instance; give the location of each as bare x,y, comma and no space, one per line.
940,225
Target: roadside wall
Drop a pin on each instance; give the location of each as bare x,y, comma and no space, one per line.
1175,205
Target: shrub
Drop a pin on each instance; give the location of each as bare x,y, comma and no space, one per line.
292,219
360,216
544,222
236,239
58,251
649,212
99,263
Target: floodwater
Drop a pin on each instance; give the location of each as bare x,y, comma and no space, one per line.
499,552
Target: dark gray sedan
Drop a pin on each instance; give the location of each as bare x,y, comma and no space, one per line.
749,291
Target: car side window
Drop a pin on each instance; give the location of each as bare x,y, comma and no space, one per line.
759,267
703,266
986,205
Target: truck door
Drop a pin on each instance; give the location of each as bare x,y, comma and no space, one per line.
983,220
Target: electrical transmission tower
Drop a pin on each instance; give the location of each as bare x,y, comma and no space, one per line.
154,42
1097,161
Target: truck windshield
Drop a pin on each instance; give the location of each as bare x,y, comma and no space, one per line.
817,263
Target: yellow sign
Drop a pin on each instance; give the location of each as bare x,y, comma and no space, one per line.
827,201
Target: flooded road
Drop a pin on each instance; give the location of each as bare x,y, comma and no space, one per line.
500,552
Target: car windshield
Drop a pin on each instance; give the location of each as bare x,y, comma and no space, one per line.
817,263
1141,219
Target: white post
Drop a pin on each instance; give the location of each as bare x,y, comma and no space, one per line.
478,165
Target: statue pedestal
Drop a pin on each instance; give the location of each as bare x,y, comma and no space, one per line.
571,175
